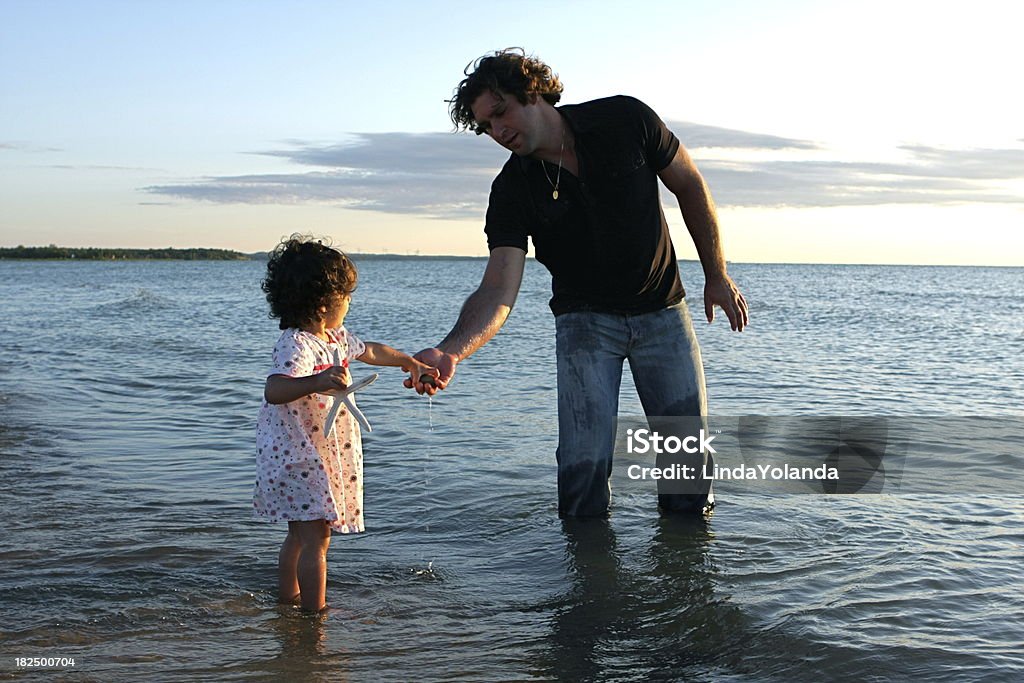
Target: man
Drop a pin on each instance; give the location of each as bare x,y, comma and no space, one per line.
582,182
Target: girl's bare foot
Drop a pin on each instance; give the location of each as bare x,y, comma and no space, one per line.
323,610
294,600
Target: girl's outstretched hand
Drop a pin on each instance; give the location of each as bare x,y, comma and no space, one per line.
443,362
420,372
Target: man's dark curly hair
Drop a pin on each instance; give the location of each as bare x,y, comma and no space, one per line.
304,274
509,71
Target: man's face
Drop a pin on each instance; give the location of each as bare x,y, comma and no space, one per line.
514,126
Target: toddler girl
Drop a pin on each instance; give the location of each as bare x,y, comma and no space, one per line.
306,476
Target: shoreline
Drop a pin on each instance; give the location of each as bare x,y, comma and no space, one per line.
56,253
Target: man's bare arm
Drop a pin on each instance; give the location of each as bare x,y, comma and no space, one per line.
683,180
487,309
482,315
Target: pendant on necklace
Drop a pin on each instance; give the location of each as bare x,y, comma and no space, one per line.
554,194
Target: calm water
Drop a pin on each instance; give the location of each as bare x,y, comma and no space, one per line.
128,396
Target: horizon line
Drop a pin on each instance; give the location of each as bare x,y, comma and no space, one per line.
394,255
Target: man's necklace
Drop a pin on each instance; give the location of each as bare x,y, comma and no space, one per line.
558,176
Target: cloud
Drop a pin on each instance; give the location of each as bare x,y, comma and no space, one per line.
936,177
696,136
977,164
96,167
407,152
26,147
448,175
433,174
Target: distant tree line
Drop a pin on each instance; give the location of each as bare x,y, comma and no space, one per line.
100,254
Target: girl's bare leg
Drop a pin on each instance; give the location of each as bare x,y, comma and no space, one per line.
287,568
314,538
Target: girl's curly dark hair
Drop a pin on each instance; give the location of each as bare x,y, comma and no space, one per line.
303,275
509,71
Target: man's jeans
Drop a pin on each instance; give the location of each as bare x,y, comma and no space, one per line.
665,361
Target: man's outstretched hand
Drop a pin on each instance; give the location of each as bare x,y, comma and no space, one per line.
724,293
444,362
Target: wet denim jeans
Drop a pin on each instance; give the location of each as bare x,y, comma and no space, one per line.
664,358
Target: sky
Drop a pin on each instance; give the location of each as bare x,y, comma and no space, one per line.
828,132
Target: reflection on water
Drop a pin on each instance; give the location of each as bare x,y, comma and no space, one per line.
657,616
304,654
592,610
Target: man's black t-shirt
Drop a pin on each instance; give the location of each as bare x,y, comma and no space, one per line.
605,239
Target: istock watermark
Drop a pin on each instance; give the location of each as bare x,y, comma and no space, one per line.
740,472
645,441
821,454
